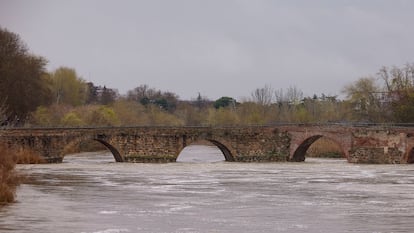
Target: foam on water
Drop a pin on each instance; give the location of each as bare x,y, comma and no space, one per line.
90,193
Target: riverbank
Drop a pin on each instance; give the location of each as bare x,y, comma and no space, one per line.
8,176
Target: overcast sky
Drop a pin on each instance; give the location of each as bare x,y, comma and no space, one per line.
217,47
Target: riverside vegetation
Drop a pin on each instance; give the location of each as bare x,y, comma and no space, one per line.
8,177
31,96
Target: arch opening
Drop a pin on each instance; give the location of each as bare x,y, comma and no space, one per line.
318,146
118,157
82,145
205,151
410,157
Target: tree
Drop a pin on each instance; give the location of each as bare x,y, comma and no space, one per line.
103,116
108,96
363,96
399,86
263,96
222,117
72,119
224,102
130,112
92,96
68,87
192,113
138,93
23,83
250,113
143,94
404,111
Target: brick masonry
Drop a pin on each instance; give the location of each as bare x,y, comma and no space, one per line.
240,144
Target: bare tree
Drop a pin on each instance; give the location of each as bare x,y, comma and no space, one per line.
399,84
263,96
294,95
291,96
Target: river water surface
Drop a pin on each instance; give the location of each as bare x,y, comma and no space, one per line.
91,193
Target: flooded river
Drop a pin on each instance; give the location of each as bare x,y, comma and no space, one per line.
91,193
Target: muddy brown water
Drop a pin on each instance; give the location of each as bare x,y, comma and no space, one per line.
90,193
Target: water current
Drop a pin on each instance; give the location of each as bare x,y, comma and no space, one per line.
90,193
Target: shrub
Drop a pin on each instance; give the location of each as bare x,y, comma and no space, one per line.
8,177
27,156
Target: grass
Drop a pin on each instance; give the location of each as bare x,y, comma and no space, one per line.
325,148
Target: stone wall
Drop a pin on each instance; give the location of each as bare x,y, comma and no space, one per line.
240,144
375,155
378,145
302,137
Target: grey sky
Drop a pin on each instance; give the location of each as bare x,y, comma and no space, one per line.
217,47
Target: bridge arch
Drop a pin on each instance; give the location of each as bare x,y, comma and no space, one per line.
226,152
118,157
410,156
228,155
75,142
300,151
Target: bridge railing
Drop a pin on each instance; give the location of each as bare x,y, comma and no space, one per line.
273,124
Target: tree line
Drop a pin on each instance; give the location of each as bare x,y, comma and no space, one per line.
32,96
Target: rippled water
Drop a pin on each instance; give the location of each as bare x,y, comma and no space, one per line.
90,193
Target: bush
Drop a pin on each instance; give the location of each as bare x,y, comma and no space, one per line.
8,177
27,156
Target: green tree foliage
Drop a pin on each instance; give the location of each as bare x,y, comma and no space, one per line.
130,112
224,102
68,88
404,112
23,83
103,116
43,117
72,119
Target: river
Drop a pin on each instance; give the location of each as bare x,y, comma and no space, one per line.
90,193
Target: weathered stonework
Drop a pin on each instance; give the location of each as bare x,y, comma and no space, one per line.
378,146
240,144
372,155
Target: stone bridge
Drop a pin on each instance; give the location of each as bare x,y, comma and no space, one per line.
373,144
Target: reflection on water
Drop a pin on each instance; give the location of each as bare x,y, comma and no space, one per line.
91,193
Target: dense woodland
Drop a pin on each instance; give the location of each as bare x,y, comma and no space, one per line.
31,96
